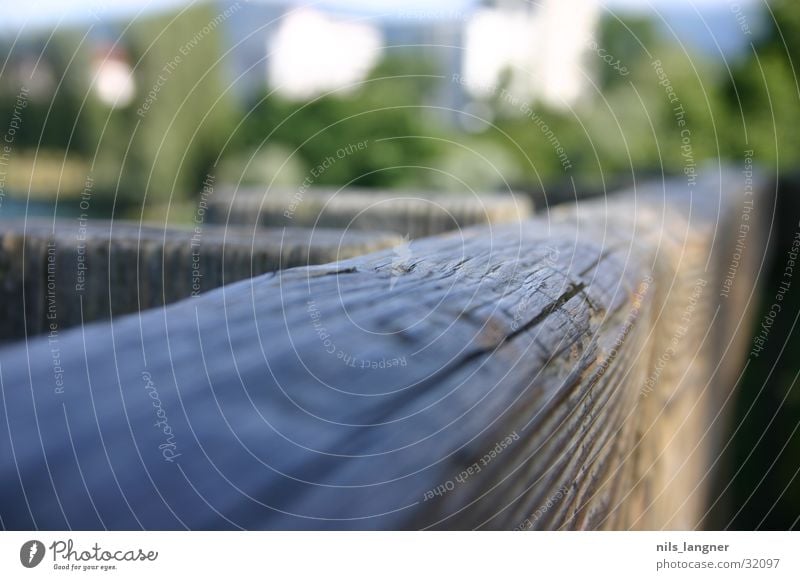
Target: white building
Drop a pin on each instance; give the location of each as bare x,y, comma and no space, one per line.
304,49
313,52
538,49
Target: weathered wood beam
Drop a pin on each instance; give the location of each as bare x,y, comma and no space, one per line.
496,378
410,213
57,274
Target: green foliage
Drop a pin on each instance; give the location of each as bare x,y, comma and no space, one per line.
173,139
163,147
625,40
384,111
54,91
164,152
764,94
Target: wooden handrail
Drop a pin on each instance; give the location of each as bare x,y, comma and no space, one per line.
412,214
570,371
66,272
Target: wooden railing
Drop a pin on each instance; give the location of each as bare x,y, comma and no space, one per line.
62,273
572,371
408,213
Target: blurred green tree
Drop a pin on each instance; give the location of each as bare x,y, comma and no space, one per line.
764,95
167,140
386,110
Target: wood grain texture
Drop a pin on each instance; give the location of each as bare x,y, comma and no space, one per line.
408,213
66,272
490,378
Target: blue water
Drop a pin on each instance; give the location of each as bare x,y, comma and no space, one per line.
15,208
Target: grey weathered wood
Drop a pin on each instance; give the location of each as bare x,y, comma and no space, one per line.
534,339
129,266
409,213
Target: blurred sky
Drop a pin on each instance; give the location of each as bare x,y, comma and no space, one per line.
37,13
